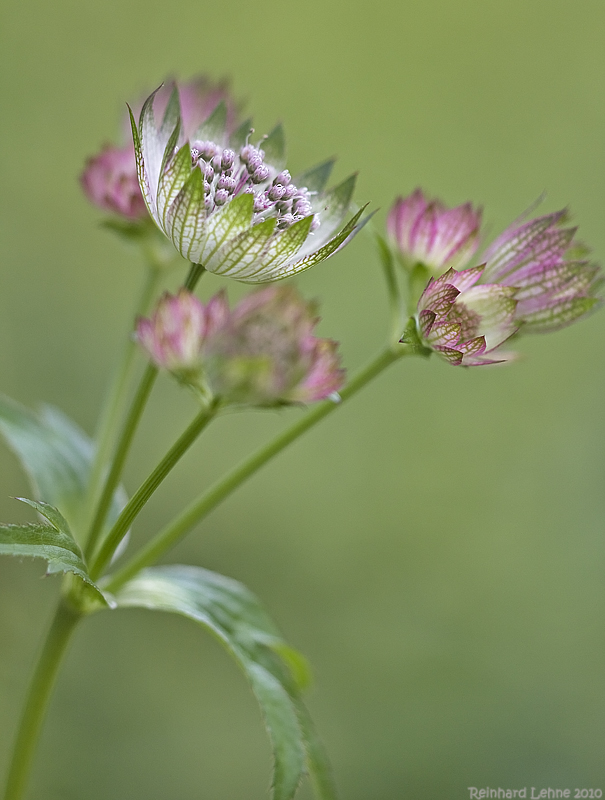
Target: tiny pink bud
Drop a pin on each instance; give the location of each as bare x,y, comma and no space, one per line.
173,336
110,182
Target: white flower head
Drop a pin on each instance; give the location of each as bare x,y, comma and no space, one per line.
232,206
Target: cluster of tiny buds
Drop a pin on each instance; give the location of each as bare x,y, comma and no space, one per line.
227,174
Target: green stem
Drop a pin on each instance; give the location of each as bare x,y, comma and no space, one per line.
128,430
390,275
203,505
142,495
113,408
40,690
115,471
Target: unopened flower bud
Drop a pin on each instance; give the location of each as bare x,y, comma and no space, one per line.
227,159
110,182
226,182
260,174
283,177
221,196
276,192
174,334
431,234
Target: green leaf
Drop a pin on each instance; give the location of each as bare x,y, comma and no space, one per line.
276,672
214,128
275,147
282,247
172,114
173,179
185,218
316,178
129,229
292,268
233,219
140,161
56,456
51,540
238,138
242,252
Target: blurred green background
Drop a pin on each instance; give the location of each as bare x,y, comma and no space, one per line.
435,548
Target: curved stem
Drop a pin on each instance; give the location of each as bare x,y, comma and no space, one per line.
203,505
142,495
40,690
114,404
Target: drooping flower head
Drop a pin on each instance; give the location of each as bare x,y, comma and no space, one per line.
263,352
427,232
555,285
231,205
466,322
110,178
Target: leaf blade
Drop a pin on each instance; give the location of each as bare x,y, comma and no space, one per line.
51,540
234,615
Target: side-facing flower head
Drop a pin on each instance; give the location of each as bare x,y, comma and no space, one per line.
231,205
427,232
555,285
110,180
465,322
262,353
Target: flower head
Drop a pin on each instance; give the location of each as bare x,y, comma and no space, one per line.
554,286
466,322
428,233
110,178
263,352
231,205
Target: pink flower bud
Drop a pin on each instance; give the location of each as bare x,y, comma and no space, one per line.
110,178
431,234
110,182
174,335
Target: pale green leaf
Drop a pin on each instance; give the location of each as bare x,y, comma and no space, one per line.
172,114
292,268
140,162
239,136
51,540
152,146
214,128
240,253
185,218
233,219
279,249
56,455
316,178
235,616
275,147
173,179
